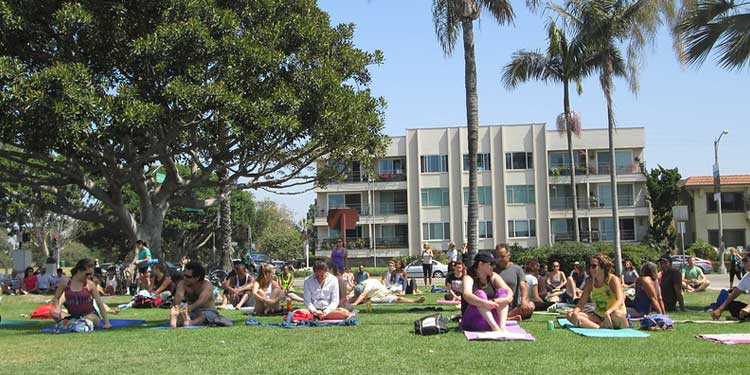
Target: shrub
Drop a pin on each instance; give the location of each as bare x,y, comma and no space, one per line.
568,252
703,249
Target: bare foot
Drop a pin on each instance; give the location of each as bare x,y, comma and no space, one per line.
420,299
173,313
185,317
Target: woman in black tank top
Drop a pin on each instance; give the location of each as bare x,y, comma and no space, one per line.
486,297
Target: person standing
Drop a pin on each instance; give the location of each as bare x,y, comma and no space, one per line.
339,257
735,266
452,256
427,255
143,264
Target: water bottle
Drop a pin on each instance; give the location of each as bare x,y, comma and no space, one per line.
368,306
288,304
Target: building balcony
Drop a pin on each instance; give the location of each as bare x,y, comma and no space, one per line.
363,243
390,175
399,242
596,236
566,202
381,209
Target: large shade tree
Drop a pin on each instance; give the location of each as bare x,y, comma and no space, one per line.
722,26
453,18
97,97
617,32
567,62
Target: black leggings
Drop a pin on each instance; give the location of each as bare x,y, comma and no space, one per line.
734,271
427,270
735,307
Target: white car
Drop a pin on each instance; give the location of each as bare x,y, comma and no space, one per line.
414,269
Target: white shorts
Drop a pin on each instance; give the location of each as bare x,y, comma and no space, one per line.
384,297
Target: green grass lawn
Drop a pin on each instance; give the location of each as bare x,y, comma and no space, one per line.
382,344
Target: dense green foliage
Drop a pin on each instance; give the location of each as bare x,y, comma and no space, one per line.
569,252
663,193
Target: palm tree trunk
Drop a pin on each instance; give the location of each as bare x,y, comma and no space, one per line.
225,222
569,131
612,165
472,122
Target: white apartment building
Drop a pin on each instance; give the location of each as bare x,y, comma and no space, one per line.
419,191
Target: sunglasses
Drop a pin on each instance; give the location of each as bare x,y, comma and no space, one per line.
187,276
592,266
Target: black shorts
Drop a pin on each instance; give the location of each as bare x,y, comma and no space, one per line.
427,270
144,269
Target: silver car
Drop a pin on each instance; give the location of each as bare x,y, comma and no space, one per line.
680,261
414,269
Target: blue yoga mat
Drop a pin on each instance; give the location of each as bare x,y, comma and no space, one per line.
116,323
180,327
601,332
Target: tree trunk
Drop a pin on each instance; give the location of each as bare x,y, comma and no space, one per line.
150,227
569,133
472,123
225,223
612,166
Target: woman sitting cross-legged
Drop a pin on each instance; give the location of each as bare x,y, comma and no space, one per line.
267,291
77,294
486,297
647,293
604,290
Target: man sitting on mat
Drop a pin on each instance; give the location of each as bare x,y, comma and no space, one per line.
738,310
376,292
520,307
693,279
194,300
321,294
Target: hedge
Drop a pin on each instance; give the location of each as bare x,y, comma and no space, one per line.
567,253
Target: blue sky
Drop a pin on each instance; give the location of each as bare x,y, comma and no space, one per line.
683,109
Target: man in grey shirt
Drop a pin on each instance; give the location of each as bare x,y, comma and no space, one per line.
513,275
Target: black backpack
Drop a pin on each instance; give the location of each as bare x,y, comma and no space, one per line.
431,325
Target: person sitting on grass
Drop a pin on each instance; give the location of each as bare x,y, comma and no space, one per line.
670,284
647,293
194,300
376,292
162,281
349,277
455,282
56,278
520,306
75,297
321,295
574,284
30,283
693,279
238,286
629,275
387,277
604,290
110,282
532,285
267,291
286,279
738,310
486,298
44,280
556,279
361,275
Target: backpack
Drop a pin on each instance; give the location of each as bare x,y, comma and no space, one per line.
431,325
146,302
656,322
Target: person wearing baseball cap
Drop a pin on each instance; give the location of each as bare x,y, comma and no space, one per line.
486,297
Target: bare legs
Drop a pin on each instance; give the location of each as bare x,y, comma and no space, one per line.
616,320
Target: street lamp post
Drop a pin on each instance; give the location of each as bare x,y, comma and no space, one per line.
717,198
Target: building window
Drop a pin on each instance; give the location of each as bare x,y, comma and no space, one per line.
483,162
519,160
484,196
484,229
607,229
521,228
435,197
625,195
520,194
434,163
436,231
391,166
730,202
732,237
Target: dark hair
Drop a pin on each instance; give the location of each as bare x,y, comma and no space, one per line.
649,269
82,265
59,270
320,266
26,271
198,271
502,245
141,242
161,267
604,262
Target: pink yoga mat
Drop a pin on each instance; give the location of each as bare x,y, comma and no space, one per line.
446,302
728,338
513,332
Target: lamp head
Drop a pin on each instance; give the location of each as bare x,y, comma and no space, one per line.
725,132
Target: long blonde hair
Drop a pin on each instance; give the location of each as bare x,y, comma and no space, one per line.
265,276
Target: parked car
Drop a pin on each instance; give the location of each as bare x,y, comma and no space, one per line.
680,261
414,269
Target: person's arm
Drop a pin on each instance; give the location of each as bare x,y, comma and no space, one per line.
563,280
651,293
248,286
333,289
535,294
736,292
164,285
678,285
179,294
307,291
98,298
205,298
346,258
471,298
584,296
499,283
59,299
616,287
701,276
362,296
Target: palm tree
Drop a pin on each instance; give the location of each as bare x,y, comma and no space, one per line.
451,17
607,26
565,62
723,24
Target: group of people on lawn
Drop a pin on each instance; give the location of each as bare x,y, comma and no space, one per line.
491,292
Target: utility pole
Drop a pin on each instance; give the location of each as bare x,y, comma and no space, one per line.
717,198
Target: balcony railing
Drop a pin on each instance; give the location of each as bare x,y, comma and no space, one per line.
564,170
398,242
566,202
383,208
362,209
596,235
625,235
352,243
391,175
604,168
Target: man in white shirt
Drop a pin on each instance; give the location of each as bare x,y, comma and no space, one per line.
738,310
321,295
44,281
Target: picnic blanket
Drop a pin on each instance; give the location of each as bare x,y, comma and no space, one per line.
513,332
602,332
116,323
727,338
352,320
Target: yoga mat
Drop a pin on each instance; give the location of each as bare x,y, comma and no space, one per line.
513,332
602,332
16,323
727,338
179,327
352,320
116,323
708,321
446,302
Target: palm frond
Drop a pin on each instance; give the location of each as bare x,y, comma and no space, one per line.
501,10
573,122
525,66
722,25
446,18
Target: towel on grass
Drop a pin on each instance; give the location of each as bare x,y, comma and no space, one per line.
116,323
513,332
352,320
602,332
727,338
449,302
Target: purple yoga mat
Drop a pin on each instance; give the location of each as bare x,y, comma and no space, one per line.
513,332
728,338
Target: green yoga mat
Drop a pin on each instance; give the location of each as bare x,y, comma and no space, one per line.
591,332
16,323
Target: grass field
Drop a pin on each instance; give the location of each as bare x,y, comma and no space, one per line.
381,344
